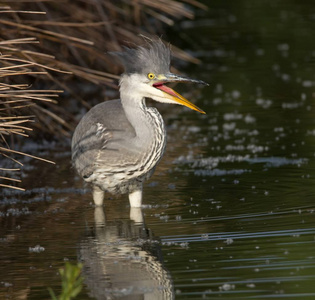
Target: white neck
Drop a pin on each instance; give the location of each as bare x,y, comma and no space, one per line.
148,124
146,121
139,117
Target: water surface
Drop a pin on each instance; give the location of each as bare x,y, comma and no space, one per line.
228,214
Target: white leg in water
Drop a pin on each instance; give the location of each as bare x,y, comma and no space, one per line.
135,198
98,196
136,215
99,216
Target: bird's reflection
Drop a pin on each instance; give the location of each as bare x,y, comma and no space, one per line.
121,260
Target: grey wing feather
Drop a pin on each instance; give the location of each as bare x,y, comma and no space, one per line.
95,137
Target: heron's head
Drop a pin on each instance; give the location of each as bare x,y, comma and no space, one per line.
147,71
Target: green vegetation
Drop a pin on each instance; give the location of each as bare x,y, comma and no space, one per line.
71,281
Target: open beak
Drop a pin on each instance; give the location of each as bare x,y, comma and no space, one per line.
159,83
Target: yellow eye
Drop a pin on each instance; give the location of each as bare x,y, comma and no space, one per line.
151,76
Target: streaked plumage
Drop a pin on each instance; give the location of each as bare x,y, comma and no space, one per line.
118,143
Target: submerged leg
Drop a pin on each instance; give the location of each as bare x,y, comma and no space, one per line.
98,196
135,198
136,215
99,217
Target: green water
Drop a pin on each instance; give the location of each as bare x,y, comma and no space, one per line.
229,212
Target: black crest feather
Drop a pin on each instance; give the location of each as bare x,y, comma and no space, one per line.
155,58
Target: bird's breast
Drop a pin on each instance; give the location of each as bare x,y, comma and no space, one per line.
129,157
158,142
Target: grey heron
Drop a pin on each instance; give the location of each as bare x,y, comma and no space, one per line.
118,143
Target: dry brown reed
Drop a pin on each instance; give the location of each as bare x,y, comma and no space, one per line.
77,35
15,98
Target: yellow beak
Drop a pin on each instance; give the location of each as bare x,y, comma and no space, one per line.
171,94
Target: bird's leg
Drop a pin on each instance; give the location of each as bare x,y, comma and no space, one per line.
98,196
136,215
135,198
99,217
